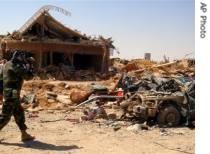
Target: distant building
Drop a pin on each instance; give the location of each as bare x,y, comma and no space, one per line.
147,56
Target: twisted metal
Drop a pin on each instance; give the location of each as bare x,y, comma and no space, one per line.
43,9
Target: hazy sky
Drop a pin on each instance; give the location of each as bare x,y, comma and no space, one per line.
136,26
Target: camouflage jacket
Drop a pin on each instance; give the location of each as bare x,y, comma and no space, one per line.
13,77
1,71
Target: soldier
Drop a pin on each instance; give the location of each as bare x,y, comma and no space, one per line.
1,79
14,73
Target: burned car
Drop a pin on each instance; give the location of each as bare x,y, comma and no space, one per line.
165,107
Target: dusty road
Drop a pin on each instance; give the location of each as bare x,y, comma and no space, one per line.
56,135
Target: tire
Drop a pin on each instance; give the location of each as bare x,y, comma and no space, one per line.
169,116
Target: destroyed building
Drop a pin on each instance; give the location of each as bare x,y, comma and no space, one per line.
52,43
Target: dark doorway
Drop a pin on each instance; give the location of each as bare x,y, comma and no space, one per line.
55,58
87,62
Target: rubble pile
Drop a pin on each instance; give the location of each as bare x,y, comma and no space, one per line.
138,64
118,63
125,88
65,72
50,93
137,67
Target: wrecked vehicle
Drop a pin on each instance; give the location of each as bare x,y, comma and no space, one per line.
166,108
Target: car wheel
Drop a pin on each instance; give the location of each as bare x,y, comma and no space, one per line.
169,116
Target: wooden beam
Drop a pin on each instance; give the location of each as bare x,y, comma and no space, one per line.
103,60
52,46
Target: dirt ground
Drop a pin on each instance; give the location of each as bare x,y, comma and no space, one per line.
59,132
62,131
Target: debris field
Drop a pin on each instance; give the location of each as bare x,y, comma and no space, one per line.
82,101
60,119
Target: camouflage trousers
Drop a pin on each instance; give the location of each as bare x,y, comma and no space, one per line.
12,106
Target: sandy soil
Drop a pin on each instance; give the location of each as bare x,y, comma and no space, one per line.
55,134
59,131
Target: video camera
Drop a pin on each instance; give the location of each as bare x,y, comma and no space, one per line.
24,58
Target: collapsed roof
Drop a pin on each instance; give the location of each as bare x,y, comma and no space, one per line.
47,39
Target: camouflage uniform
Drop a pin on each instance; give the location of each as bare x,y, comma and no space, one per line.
13,77
1,82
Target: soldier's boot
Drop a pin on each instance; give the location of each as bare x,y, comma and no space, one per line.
26,137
